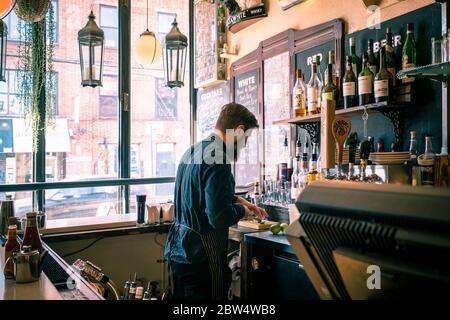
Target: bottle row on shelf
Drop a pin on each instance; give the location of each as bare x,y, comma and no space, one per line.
365,81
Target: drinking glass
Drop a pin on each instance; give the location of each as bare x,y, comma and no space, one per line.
444,49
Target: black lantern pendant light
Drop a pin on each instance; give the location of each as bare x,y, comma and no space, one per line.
175,55
91,40
3,41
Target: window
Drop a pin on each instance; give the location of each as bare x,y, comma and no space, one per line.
12,22
160,116
164,24
109,102
166,101
109,22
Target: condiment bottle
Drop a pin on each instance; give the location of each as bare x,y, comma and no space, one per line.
126,288
31,236
12,246
139,292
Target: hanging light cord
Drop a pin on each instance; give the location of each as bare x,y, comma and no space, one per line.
147,15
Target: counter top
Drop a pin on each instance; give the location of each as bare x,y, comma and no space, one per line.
268,239
40,290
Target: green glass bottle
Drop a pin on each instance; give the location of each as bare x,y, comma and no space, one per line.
383,80
349,85
356,61
329,91
373,63
390,56
409,57
365,83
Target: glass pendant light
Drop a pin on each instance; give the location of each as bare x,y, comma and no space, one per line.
147,48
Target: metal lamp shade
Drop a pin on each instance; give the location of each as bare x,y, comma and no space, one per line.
3,42
175,57
91,40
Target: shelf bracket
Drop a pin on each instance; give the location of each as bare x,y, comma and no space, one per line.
313,129
397,119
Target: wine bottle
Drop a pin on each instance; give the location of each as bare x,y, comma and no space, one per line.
299,96
426,162
329,91
312,175
365,83
373,63
409,52
356,62
390,56
313,91
349,85
383,80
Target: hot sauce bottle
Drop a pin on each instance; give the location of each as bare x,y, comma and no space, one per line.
31,236
12,246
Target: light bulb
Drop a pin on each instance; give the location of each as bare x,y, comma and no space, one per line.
147,49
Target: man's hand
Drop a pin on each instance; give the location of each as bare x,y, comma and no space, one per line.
251,208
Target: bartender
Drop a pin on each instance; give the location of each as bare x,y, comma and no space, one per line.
205,207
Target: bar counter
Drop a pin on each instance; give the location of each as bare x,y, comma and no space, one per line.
44,289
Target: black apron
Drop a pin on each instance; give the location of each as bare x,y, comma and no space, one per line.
215,244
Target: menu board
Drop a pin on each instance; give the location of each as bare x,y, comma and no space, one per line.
276,107
209,103
246,87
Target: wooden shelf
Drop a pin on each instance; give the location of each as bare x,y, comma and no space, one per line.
438,72
358,109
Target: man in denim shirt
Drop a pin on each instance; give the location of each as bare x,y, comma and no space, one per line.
205,207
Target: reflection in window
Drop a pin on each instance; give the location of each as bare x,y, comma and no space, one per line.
165,20
108,103
109,23
166,101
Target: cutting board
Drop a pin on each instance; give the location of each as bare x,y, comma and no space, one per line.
255,225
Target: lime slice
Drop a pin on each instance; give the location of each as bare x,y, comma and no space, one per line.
275,228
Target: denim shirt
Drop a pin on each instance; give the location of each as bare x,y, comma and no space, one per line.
204,200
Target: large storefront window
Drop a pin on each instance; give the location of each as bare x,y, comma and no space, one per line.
160,116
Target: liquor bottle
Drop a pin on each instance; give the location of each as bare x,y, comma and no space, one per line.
147,293
349,85
284,161
365,84
295,181
303,176
329,91
257,195
412,162
312,175
126,288
426,162
390,56
356,61
31,235
12,246
313,91
298,149
383,80
132,292
320,76
409,56
299,96
373,63
139,293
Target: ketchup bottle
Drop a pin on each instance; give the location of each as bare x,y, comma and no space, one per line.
31,236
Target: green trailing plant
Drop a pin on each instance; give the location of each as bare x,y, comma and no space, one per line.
36,76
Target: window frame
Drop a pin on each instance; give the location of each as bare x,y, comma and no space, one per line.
105,6
124,181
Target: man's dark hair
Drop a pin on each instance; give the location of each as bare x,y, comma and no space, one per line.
233,115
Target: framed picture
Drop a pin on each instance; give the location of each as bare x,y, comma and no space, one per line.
210,35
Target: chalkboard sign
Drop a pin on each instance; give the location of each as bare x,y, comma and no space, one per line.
246,87
209,104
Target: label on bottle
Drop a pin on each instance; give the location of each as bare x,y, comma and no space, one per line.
365,85
381,88
427,175
327,96
284,171
406,66
349,89
312,99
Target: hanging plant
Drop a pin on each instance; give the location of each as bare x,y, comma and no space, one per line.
36,76
32,10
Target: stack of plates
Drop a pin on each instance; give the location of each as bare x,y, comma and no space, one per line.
384,158
345,156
